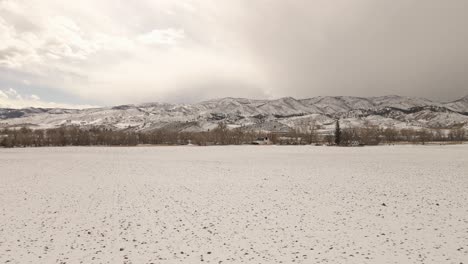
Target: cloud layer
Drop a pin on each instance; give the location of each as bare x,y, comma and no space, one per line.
10,98
125,52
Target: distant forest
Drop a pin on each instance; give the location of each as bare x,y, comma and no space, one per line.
222,135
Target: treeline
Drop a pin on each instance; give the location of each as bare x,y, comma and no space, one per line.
75,136
222,135
65,136
374,135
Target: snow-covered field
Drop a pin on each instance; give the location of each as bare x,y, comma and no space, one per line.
236,204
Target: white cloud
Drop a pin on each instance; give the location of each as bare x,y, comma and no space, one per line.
58,39
11,93
168,36
10,98
35,97
141,53
3,95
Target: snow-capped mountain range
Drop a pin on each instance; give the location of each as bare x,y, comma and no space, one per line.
278,115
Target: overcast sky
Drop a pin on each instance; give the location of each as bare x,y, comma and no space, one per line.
106,52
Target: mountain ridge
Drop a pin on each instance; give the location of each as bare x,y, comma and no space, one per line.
266,115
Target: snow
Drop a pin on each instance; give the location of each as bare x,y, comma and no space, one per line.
251,113
460,105
234,204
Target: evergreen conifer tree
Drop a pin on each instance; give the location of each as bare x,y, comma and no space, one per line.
337,133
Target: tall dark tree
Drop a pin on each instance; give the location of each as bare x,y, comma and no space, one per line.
337,133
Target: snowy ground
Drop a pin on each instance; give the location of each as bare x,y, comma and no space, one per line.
244,204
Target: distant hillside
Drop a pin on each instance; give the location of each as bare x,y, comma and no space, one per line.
266,115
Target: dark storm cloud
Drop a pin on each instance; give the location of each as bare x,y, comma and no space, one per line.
415,48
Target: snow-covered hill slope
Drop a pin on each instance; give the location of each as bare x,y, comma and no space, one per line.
268,115
460,105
